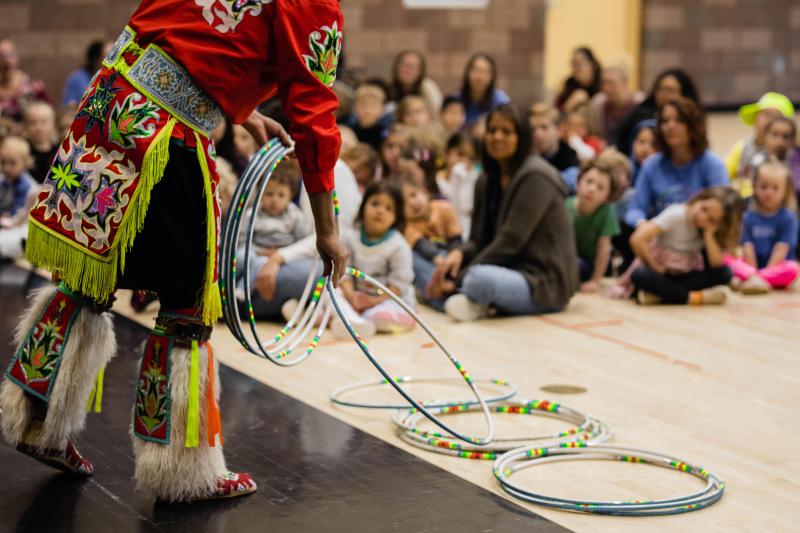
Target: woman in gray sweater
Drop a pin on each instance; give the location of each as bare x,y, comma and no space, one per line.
520,257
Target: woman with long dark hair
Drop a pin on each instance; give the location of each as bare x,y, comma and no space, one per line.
670,84
584,82
520,257
479,92
409,77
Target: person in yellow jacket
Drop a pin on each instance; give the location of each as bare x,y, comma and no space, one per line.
739,160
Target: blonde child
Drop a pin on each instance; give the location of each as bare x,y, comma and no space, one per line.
432,230
769,233
17,192
594,221
671,246
378,248
414,112
363,160
369,120
40,130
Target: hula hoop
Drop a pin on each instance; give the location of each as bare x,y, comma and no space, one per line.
418,406
361,385
248,193
587,430
526,457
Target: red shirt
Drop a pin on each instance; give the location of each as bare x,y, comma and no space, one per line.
243,52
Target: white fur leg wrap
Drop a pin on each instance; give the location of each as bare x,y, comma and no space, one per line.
171,471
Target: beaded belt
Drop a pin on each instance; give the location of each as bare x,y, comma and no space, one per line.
165,82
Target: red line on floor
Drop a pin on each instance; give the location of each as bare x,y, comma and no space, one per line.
598,324
630,346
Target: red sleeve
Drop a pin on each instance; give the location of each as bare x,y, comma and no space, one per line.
308,39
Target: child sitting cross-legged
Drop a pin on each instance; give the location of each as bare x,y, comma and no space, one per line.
377,248
680,251
595,221
769,233
17,193
279,222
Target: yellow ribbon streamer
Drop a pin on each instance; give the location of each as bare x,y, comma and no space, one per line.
193,410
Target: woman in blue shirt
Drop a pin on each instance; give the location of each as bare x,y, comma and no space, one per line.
478,92
684,166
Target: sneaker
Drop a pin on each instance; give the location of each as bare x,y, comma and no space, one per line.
647,298
392,321
67,460
363,327
288,308
755,284
232,485
461,309
713,296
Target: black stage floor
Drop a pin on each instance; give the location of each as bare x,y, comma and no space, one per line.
314,472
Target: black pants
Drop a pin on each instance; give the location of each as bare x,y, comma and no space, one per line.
622,244
168,255
585,269
675,288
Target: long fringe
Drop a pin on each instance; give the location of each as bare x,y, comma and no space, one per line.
92,275
210,304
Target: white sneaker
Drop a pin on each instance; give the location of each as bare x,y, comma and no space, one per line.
461,309
755,284
288,308
363,327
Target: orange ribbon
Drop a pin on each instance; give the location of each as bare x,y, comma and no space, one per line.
214,419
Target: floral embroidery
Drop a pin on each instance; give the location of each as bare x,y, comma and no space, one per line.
326,46
225,15
151,412
96,106
38,359
127,121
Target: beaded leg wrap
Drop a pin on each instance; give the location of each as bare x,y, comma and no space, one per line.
176,430
64,342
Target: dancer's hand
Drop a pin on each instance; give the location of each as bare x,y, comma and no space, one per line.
264,128
333,253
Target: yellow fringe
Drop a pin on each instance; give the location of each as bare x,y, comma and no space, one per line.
96,395
211,304
92,275
193,408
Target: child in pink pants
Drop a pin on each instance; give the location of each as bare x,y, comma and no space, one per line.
769,233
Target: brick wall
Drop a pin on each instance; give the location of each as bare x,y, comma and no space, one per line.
735,49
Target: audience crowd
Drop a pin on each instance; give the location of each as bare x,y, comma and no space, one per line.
465,202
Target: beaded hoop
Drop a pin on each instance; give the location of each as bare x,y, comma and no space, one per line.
336,395
397,386
526,457
586,430
248,193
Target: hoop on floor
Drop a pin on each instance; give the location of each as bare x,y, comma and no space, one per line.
336,395
248,193
586,430
526,457
397,386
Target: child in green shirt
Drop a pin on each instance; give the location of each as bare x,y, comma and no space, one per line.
594,221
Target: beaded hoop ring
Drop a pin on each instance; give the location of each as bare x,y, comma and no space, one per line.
587,430
248,193
336,395
397,386
526,457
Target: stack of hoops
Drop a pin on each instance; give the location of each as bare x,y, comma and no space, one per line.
583,440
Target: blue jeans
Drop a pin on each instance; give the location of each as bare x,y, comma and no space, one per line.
291,281
502,288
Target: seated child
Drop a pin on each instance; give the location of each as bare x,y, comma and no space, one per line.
456,181
594,221
417,164
17,193
680,251
577,135
413,111
432,230
769,233
644,145
377,248
369,120
279,222
40,130
363,160
396,142
453,115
